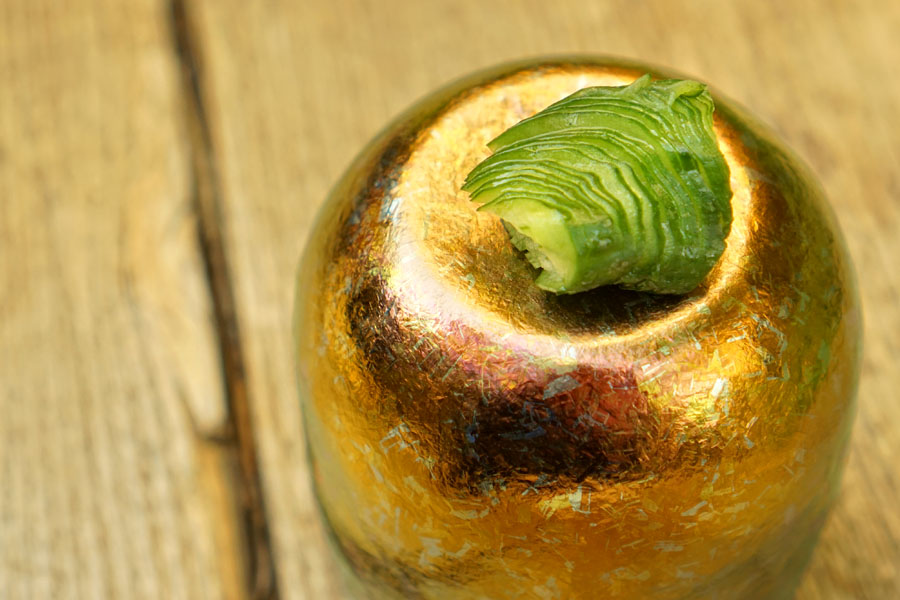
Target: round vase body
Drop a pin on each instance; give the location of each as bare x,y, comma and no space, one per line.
475,437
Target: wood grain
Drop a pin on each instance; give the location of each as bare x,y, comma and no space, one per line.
112,481
296,89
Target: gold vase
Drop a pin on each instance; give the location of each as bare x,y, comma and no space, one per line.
475,437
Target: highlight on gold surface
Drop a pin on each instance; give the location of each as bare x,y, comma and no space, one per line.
473,436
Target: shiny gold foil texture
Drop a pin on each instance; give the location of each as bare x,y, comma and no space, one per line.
474,437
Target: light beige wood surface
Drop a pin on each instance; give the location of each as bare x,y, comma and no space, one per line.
109,357
110,384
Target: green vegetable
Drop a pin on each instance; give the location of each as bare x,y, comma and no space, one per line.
613,185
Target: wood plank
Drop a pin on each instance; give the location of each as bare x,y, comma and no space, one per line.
112,481
295,89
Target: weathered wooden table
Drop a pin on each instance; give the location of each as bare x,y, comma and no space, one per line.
160,164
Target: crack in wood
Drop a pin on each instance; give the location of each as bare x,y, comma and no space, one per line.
260,567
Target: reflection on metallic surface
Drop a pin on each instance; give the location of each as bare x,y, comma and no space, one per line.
476,437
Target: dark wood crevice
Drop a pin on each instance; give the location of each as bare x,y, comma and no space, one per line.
207,203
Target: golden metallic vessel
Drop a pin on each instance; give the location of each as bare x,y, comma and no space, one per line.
475,437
